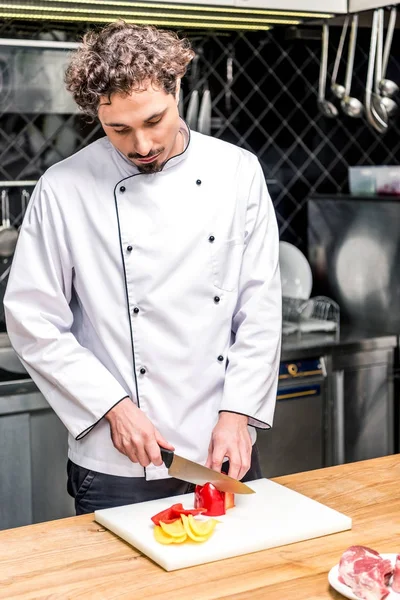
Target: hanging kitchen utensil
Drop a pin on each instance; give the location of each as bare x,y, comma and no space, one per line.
8,233
386,86
25,197
5,267
180,103
389,105
5,273
326,107
192,111
373,117
382,106
194,70
337,89
204,122
229,79
352,107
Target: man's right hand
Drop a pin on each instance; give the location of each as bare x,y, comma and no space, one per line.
134,435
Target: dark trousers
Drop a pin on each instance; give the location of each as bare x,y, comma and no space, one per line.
94,491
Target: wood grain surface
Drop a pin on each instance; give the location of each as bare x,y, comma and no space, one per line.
76,558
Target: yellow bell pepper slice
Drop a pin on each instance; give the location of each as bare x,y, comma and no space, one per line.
164,538
202,528
179,540
174,529
191,534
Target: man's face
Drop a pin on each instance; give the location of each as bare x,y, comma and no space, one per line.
144,126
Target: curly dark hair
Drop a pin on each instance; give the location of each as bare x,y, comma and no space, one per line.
120,58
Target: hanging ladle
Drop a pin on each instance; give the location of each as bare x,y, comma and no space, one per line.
25,197
373,117
352,107
337,89
8,233
387,87
384,107
327,108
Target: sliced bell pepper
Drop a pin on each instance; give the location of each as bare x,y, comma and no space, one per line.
202,528
215,502
167,514
208,497
189,511
169,521
191,534
161,537
164,538
171,514
175,529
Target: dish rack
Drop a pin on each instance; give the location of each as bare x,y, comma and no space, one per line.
309,316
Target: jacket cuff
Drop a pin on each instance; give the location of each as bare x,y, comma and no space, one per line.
84,433
251,420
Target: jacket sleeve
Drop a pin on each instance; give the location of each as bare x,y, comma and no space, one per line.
253,359
39,319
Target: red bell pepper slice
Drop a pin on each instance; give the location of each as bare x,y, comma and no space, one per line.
174,512
189,511
167,514
168,521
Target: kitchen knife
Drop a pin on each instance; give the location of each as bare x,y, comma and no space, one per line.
182,468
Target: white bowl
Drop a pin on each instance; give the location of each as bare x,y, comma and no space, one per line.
296,275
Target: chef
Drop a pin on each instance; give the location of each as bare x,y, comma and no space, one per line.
144,298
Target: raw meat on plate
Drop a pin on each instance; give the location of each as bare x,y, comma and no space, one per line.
396,575
365,572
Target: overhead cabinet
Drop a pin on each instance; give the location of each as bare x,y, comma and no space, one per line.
312,6
196,2
361,5
326,6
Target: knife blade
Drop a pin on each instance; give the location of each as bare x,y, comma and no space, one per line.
187,470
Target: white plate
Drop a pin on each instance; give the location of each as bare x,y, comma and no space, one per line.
296,275
333,578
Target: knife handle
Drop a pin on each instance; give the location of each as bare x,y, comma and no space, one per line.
167,456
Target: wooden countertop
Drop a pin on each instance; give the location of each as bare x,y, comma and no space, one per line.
76,558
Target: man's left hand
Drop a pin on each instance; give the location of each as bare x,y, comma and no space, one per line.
230,438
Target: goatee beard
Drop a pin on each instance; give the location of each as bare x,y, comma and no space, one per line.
153,167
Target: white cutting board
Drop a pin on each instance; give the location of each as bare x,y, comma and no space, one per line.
273,516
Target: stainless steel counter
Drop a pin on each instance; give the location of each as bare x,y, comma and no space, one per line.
349,340
337,401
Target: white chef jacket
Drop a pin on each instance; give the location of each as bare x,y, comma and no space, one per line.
162,287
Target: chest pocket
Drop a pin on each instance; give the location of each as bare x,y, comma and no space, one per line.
226,258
